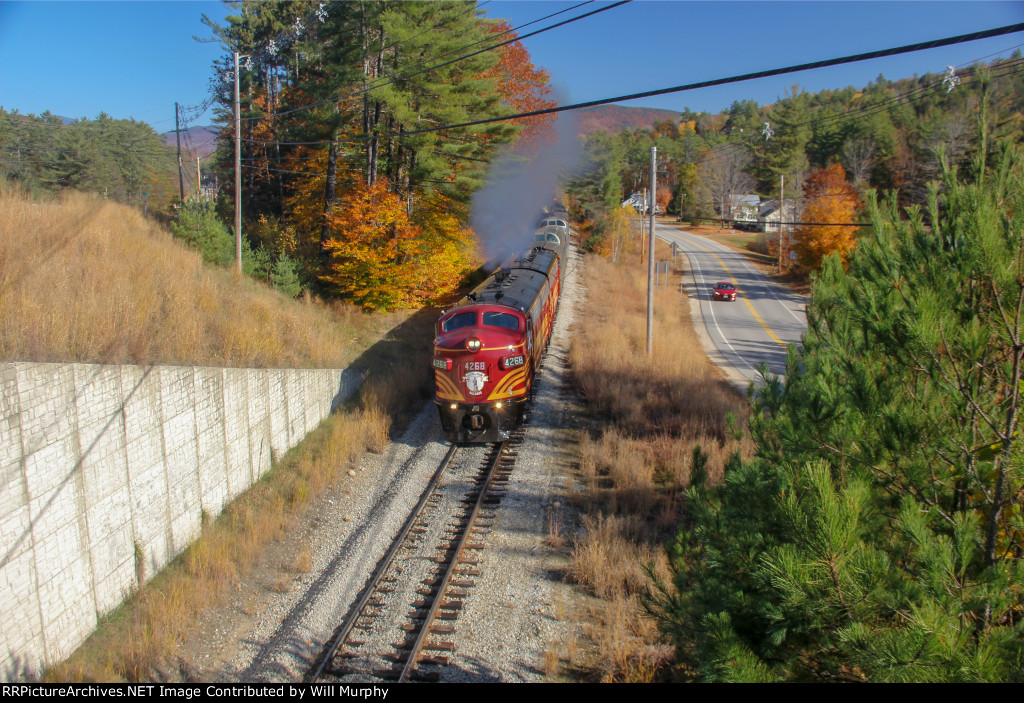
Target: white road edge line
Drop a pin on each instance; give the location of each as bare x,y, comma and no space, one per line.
725,250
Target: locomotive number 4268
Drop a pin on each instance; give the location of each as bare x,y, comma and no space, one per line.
476,366
512,362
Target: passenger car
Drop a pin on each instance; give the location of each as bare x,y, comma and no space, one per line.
725,291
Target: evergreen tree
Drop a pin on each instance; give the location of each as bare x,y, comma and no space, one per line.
199,225
285,277
878,533
786,152
120,159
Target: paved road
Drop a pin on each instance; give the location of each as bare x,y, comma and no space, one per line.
758,326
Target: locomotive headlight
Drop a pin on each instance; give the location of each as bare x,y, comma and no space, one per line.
473,344
454,406
498,405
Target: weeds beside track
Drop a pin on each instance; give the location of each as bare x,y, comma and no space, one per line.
87,280
655,421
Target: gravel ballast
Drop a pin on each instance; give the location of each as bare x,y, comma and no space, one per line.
516,618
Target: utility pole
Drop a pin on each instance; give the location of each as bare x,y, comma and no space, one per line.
177,133
643,240
238,176
782,214
650,253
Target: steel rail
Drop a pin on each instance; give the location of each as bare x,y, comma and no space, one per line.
450,570
382,568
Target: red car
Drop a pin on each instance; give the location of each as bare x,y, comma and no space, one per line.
725,291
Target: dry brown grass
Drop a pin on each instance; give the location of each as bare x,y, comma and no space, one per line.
82,279
650,415
85,279
303,561
609,559
137,642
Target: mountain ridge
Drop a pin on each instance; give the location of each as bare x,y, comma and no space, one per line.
608,118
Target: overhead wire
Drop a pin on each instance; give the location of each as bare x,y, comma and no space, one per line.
472,10
202,108
908,96
877,107
864,56
1005,68
692,86
390,79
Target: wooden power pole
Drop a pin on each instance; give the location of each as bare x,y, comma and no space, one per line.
650,252
238,176
177,133
782,214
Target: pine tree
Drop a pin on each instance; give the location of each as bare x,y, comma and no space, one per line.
785,153
878,533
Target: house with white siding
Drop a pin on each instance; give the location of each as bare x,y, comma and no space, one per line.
769,214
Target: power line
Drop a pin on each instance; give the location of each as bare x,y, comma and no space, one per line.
388,80
472,9
918,92
854,58
773,223
1001,70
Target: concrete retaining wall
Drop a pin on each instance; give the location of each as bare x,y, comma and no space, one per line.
106,471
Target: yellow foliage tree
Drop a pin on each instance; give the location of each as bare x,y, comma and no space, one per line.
687,126
374,249
447,247
619,231
381,258
830,200
304,202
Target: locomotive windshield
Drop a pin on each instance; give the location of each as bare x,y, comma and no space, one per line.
463,319
501,319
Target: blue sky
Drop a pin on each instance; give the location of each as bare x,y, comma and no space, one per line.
136,59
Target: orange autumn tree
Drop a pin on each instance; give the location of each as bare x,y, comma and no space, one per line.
433,248
663,197
304,203
829,199
523,87
374,251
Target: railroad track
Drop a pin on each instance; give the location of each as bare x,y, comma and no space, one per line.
398,628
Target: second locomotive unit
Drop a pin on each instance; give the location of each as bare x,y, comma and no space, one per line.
488,347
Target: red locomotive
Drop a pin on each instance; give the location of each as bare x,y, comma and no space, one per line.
488,347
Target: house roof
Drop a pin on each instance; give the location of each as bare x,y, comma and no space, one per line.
748,200
770,206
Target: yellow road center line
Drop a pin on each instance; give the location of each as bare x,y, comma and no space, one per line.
752,310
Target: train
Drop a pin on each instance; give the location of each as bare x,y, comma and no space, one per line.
488,347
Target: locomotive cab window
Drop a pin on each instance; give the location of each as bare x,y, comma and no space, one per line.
501,319
462,319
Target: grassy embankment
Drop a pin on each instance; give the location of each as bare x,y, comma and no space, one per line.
652,420
83,279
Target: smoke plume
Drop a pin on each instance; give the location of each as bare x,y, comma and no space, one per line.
504,213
